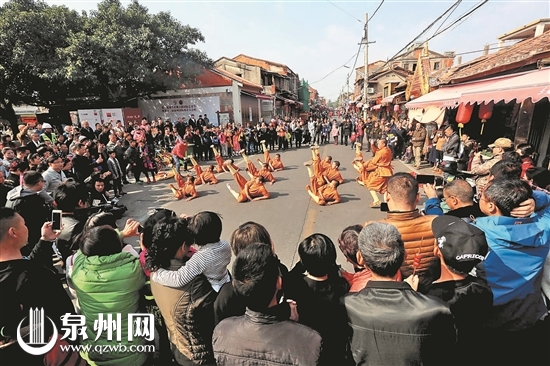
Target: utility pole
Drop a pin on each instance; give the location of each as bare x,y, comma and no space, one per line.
366,76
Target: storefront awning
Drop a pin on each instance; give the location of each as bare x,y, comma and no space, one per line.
376,107
449,96
390,98
433,114
534,85
265,97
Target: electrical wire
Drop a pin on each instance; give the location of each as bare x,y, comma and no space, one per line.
461,18
359,20
376,11
448,16
333,71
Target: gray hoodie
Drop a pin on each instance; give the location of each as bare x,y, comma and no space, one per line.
22,191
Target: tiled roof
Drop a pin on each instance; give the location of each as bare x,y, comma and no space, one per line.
238,78
520,54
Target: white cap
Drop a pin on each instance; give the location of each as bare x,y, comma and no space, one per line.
46,125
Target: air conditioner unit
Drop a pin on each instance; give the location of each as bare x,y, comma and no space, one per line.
370,90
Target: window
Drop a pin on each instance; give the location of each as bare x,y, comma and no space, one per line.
406,66
414,67
436,65
239,75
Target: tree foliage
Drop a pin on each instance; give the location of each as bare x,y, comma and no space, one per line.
114,53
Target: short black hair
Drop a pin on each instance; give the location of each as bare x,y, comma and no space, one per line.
32,178
255,274
100,241
53,158
317,254
68,194
6,220
206,227
506,169
507,193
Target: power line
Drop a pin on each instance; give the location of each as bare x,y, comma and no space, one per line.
448,16
333,71
376,11
464,16
359,20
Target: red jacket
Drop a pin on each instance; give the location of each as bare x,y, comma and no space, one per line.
180,149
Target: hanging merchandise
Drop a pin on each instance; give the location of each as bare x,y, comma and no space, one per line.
463,115
485,112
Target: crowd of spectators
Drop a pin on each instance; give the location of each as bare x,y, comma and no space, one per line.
466,280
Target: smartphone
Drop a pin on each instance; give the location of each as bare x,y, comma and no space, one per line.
384,207
56,220
425,179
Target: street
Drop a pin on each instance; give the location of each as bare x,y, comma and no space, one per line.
289,215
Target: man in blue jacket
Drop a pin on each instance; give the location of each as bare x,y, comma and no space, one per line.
518,248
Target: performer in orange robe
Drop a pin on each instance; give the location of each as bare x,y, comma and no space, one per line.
265,173
208,176
358,161
333,173
252,191
221,167
267,158
198,170
188,190
276,164
380,169
178,178
326,195
250,167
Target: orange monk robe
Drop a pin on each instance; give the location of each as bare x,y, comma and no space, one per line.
254,190
219,161
277,164
325,165
267,158
190,190
380,170
328,193
209,177
199,172
241,181
266,174
252,168
334,174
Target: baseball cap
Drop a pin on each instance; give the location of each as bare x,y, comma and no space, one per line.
502,142
46,125
462,245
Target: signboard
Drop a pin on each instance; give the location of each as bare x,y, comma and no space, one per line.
174,108
267,105
133,115
93,116
108,115
224,118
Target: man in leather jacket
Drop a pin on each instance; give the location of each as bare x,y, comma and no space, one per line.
260,336
391,323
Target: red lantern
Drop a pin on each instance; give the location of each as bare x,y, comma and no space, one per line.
485,112
464,114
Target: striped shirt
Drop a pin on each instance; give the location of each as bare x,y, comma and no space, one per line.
210,260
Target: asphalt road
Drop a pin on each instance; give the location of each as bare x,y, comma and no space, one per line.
289,215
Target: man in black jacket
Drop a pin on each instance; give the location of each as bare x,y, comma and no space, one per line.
259,336
391,323
82,165
25,284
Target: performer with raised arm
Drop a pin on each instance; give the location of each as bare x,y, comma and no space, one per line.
253,190
198,170
221,167
188,190
208,176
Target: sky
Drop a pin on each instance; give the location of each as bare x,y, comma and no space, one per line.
317,38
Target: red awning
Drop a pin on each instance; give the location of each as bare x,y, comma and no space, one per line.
263,96
390,98
534,85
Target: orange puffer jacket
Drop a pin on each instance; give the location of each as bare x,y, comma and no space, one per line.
416,232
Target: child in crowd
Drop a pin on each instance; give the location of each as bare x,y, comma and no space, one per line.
211,259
